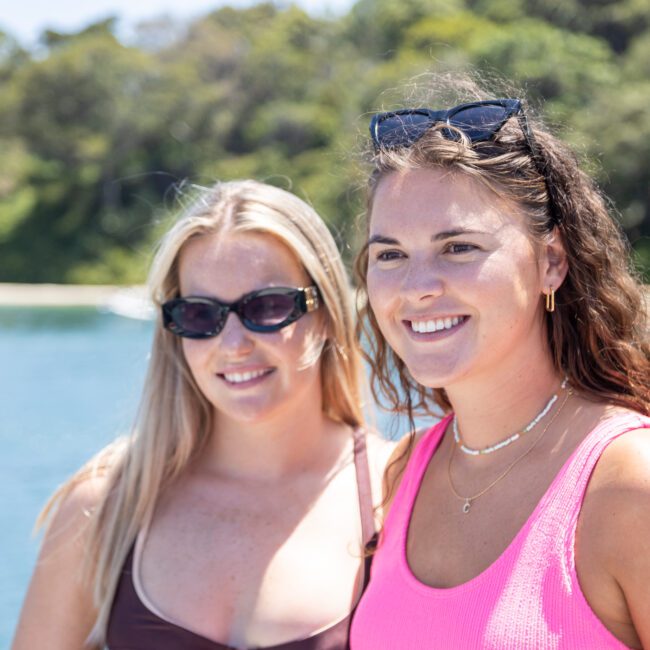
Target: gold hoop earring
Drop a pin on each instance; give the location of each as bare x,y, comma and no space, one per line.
550,300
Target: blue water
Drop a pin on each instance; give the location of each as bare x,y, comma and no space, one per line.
70,381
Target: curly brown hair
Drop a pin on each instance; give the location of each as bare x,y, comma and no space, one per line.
598,334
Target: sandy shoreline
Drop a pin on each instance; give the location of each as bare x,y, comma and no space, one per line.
116,298
65,295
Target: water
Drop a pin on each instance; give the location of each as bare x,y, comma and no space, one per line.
70,380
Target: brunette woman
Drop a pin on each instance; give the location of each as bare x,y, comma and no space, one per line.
499,289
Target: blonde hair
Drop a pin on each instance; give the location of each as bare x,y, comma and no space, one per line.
174,419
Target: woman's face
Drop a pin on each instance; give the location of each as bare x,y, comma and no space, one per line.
250,376
454,279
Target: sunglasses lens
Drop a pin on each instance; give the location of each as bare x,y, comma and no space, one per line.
269,310
198,318
480,122
402,130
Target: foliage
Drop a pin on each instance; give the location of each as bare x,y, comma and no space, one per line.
98,138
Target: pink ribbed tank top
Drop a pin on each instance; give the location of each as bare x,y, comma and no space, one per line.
528,599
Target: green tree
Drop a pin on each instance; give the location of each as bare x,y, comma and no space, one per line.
98,138
86,115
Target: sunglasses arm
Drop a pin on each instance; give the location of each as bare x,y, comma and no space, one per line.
312,301
540,164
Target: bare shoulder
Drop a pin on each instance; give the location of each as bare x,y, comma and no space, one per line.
58,611
72,504
620,484
618,496
613,532
624,467
72,513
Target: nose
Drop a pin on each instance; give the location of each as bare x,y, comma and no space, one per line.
423,280
234,339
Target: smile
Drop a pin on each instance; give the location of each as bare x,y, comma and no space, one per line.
436,324
244,377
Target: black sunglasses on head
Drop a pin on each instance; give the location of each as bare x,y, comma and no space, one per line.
479,121
265,310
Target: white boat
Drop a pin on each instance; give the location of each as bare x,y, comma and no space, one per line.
130,302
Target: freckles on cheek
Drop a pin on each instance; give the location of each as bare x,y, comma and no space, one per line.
299,345
524,290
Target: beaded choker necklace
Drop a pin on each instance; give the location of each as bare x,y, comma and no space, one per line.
468,500
510,439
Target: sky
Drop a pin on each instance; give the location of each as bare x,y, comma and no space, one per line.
26,19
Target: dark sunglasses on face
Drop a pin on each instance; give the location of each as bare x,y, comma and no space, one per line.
479,121
265,310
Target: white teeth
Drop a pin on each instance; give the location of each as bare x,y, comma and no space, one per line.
424,327
239,377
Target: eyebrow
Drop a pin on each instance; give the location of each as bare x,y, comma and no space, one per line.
380,239
445,234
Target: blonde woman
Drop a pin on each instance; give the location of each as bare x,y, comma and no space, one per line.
236,513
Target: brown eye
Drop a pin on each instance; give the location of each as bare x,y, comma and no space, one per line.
388,256
459,249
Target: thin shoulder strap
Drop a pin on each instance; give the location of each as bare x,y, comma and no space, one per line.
363,484
577,472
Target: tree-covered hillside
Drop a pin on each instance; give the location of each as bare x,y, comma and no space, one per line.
98,139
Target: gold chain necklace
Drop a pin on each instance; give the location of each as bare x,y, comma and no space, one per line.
467,500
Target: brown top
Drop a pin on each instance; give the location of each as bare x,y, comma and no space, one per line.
133,626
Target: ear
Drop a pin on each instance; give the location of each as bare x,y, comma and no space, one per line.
553,262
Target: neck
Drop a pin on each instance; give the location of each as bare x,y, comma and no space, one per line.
492,407
296,441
